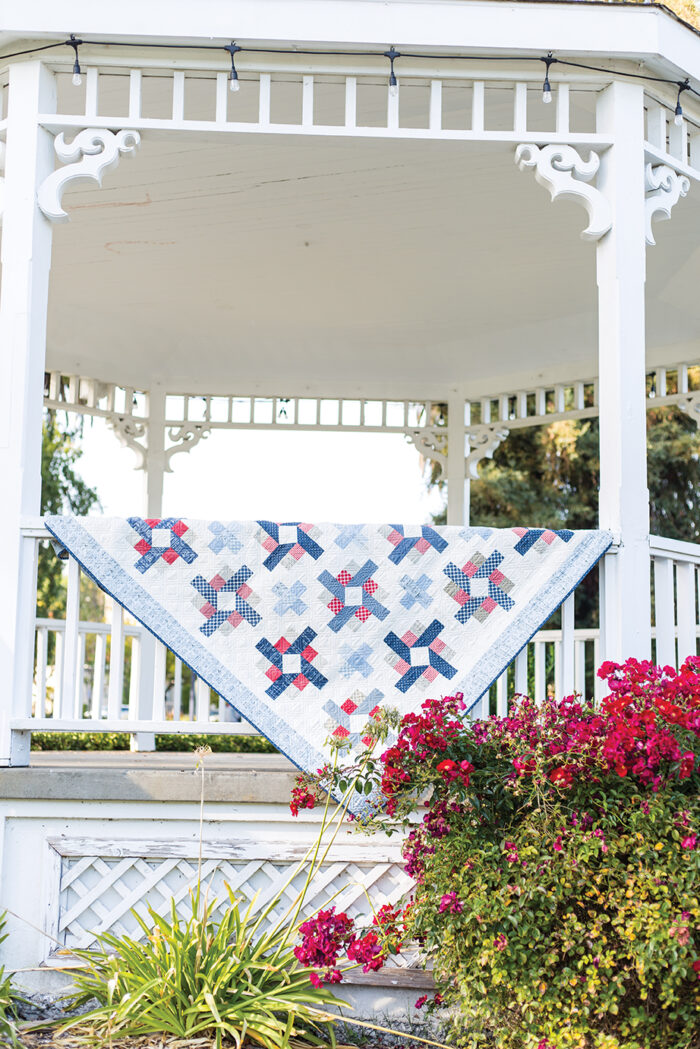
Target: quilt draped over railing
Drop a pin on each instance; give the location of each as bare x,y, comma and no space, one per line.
306,629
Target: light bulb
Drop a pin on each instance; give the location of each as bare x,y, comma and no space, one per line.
393,87
546,92
678,118
234,84
77,80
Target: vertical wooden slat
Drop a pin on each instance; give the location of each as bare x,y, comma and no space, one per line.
159,682
202,698
540,672
435,118
685,594
664,612
57,673
222,94
178,95
307,101
91,92
98,675
656,127
563,109
134,675
116,663
695,150
478,105
70,649
264,104
502,695
177,690
567,646
41,661
597,682
580,668
520,109
661,385
135,94
678,141
350,101
80,675
521,672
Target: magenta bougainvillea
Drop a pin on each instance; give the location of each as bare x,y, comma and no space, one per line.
556,855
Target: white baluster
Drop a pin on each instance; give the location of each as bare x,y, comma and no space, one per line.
134,675
70,652
178,96
656,127
664,612
563,109
41,662
502,695
134,94
307,101
116,664
521,687
567,646
540,672
520,109
91,92
435,118
264,104
478,105
202,699
177,690
222,94
98,675
687,630
350,102
159,682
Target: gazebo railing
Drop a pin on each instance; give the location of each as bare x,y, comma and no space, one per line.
115,676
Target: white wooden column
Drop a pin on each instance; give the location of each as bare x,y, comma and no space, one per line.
455,460
26,261
621,270
151,653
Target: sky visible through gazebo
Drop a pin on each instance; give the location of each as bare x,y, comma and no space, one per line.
248,475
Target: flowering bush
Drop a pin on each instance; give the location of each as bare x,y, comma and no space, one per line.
556,861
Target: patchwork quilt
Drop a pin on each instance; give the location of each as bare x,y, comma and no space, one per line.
306,629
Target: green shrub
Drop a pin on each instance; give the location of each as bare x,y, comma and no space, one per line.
223,744
557,862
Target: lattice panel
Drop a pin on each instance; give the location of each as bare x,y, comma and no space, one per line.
100,893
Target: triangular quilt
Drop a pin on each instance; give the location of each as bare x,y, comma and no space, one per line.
307,628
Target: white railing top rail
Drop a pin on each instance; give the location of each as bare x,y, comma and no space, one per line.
674,549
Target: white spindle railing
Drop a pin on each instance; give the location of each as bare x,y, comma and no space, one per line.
676,599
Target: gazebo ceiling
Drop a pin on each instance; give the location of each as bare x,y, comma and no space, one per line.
243,263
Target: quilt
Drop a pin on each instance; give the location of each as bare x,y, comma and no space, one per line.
307,629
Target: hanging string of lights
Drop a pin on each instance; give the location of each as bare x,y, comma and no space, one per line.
392,55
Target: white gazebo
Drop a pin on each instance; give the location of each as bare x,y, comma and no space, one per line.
431,218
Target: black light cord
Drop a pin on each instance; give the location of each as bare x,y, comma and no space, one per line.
392,54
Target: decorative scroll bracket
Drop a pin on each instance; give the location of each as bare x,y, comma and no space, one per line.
86,158
431,442
563,172
484,439
664,187
186,437
131,433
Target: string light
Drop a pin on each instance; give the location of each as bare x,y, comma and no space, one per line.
75,44
392,54
233,81
678,115
547,87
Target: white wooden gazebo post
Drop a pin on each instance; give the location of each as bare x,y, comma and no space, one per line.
456,485
624,496
26,261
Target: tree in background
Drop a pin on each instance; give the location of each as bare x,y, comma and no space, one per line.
62,491
549,477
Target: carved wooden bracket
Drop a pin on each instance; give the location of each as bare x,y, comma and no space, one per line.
665,187
431,442
563,172
690,404
92,152
131,434
484,439
186,437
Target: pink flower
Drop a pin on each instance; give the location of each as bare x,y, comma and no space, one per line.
501,942
420,1002
690,842
450,903
558,845
511,851
315,980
